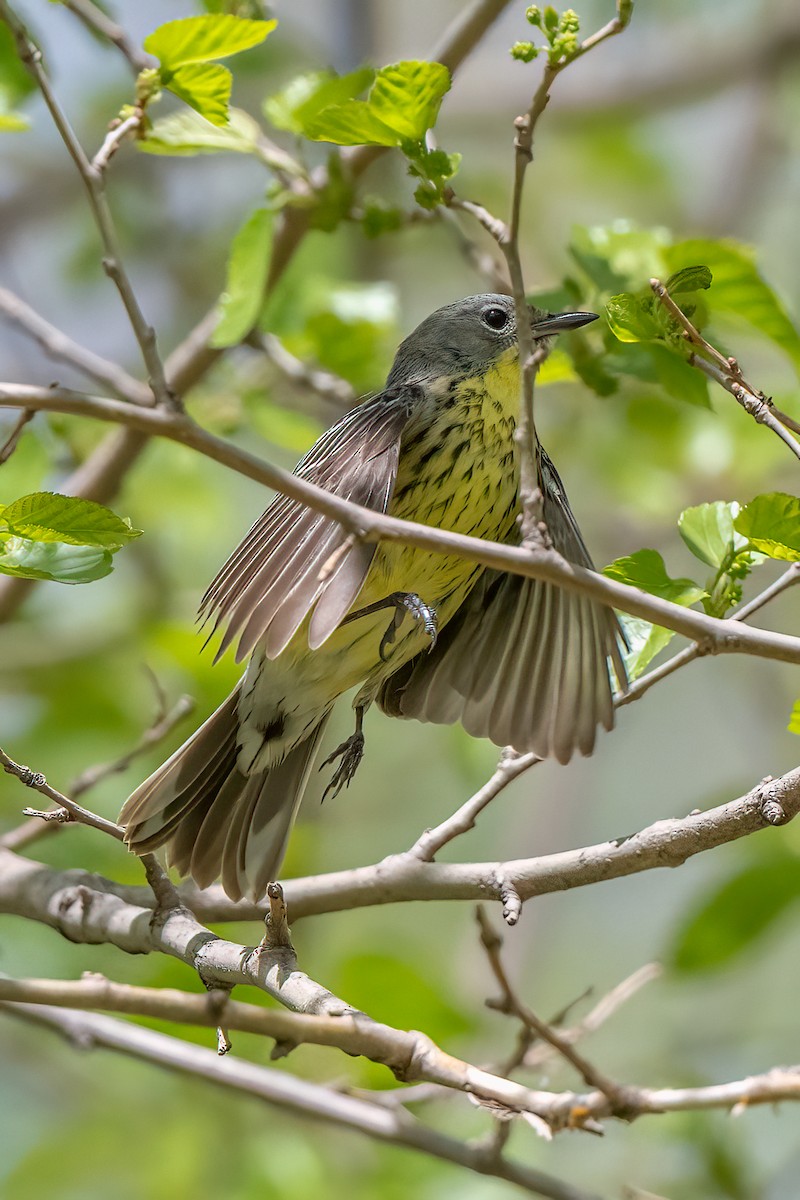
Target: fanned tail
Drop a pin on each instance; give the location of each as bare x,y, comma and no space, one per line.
218,822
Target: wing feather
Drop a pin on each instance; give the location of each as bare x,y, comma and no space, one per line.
522,662
272,580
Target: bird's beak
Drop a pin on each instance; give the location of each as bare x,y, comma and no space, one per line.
559,322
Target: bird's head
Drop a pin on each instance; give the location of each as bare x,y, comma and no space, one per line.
468,338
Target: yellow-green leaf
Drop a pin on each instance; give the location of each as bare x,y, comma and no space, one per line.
203,39
247,272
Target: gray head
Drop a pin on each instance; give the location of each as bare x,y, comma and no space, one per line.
465,338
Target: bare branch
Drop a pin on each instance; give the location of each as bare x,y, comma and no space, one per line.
727,373
116,135
510,1003
28,889
327,386
510,767
12,441
100,23
716,634
163,725
92,179
290,1094
37,781
59,346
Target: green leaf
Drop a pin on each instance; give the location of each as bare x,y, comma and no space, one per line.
646,570
689,279
206,87
771,524
708,531
56,561
402,105
351,124
645,641
736,914
739,289
203,39
247,273
794,719
50,517
186,133
305,96
407,96
630,319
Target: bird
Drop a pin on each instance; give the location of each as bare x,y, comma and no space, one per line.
514,659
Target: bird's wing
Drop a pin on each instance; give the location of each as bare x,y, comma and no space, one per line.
522,662
272,580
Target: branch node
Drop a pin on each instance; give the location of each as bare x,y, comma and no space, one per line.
277,935
772,811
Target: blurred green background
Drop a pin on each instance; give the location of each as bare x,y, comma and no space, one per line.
688,122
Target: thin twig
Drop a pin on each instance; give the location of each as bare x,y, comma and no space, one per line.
510,767
30,831
728,374
636,690
329,387
59,346
100,23
12,441
510,1003
92,179
37,781
114,139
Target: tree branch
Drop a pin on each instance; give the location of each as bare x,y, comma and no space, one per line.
290,1094
728,374
57,345
32,890
714,633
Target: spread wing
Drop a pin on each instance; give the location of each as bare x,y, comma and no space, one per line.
522,662
271,582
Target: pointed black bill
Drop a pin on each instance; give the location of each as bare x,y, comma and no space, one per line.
560,322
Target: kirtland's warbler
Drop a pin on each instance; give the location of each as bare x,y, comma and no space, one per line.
426,635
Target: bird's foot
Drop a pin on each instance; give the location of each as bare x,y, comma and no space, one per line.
350,752
425,614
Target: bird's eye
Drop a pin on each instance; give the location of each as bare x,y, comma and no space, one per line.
495,318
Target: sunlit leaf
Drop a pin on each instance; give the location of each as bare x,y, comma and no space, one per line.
708,531
186,132
247,272
57,561
51,517
645,641
206,87
630,319
646,570
771,523
203,39
306,95
794,719
402,105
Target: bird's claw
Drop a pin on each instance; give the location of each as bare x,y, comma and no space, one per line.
350,752
410,602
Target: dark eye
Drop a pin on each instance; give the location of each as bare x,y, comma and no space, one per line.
495,318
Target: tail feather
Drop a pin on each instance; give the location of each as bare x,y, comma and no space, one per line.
216,820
